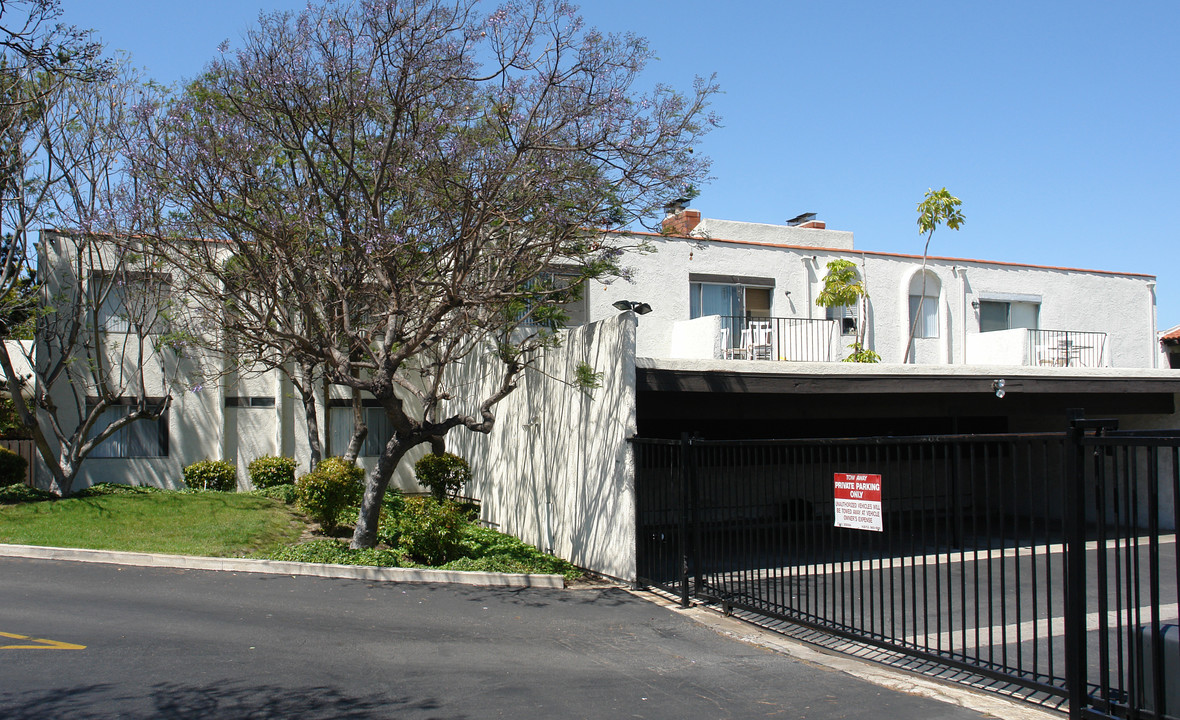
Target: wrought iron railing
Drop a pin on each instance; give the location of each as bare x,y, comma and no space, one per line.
1066,348
777,338
1046,561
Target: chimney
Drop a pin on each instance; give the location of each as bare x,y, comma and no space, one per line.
807,221
678,220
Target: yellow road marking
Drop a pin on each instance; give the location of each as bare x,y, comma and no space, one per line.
43,644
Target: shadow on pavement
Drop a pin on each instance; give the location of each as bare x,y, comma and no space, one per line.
180,701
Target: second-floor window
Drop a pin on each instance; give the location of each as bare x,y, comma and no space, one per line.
846,316
132,302
1007,314
923,315
575,310
743,297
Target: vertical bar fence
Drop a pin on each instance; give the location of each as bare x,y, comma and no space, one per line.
1045,560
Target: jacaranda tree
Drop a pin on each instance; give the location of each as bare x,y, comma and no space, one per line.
397,181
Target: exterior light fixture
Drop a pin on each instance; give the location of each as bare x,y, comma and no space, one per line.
998,386
639,308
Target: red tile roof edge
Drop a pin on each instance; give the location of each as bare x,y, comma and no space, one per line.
882,254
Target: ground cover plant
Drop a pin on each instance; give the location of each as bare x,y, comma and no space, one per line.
416,532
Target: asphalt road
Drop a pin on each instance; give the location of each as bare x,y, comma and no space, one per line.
197,644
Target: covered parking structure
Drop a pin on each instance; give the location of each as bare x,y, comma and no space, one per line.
747,400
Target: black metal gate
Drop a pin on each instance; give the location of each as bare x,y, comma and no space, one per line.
1044,560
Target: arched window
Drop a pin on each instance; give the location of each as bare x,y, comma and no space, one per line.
923,316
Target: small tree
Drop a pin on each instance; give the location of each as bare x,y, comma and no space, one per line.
939,207
842,288
101,315
392,178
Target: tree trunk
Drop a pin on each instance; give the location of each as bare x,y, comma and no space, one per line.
360,430
365,534
305,387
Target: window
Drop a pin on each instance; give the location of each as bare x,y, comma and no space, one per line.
846,315
139,438
234,401
131,302
923,314
576,310
340,427
1007,314
729,296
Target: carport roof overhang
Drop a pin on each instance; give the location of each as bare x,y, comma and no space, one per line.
738,376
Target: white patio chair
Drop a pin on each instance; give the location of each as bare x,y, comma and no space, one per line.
761,345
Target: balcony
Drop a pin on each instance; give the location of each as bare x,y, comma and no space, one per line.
778,338
1038,348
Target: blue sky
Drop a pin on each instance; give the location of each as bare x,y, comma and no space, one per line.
1055,122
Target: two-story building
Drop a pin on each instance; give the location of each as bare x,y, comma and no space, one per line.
736,345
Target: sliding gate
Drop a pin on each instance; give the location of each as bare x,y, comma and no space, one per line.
1041,560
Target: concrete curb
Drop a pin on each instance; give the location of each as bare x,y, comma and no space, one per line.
282,567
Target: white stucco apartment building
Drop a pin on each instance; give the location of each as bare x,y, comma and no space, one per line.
999,347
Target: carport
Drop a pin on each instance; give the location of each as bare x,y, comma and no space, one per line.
747,400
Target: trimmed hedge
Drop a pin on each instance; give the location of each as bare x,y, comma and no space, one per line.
326,492
443,474
269,471
13,468
430,532
211,475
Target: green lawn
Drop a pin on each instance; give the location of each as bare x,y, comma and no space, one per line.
215,524
207,523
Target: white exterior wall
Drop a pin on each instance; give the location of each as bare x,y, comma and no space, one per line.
200,425
767,233
1120,305
556,470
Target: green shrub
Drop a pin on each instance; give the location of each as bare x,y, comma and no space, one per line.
13,494
328,550
13,468
211,475
268,471
110,488
326,492
392,506
430,532
443,474
282,493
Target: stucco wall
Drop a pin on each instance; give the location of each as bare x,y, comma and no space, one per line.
1120,305
556,471
768,233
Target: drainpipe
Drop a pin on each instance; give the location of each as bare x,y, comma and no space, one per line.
961,273
1155,342
807,279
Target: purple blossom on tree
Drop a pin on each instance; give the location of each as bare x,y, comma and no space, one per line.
396,179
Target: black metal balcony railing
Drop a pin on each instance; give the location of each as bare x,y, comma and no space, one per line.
777,338
1066,348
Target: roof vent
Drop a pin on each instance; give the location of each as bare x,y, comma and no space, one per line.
676,206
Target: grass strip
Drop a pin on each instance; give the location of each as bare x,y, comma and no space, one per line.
206,523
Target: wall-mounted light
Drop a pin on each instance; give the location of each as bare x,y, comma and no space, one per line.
639,308
998,387
975,304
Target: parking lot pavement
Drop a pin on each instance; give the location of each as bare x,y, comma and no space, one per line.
151,642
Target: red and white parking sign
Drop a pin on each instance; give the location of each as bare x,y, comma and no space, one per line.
858,501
